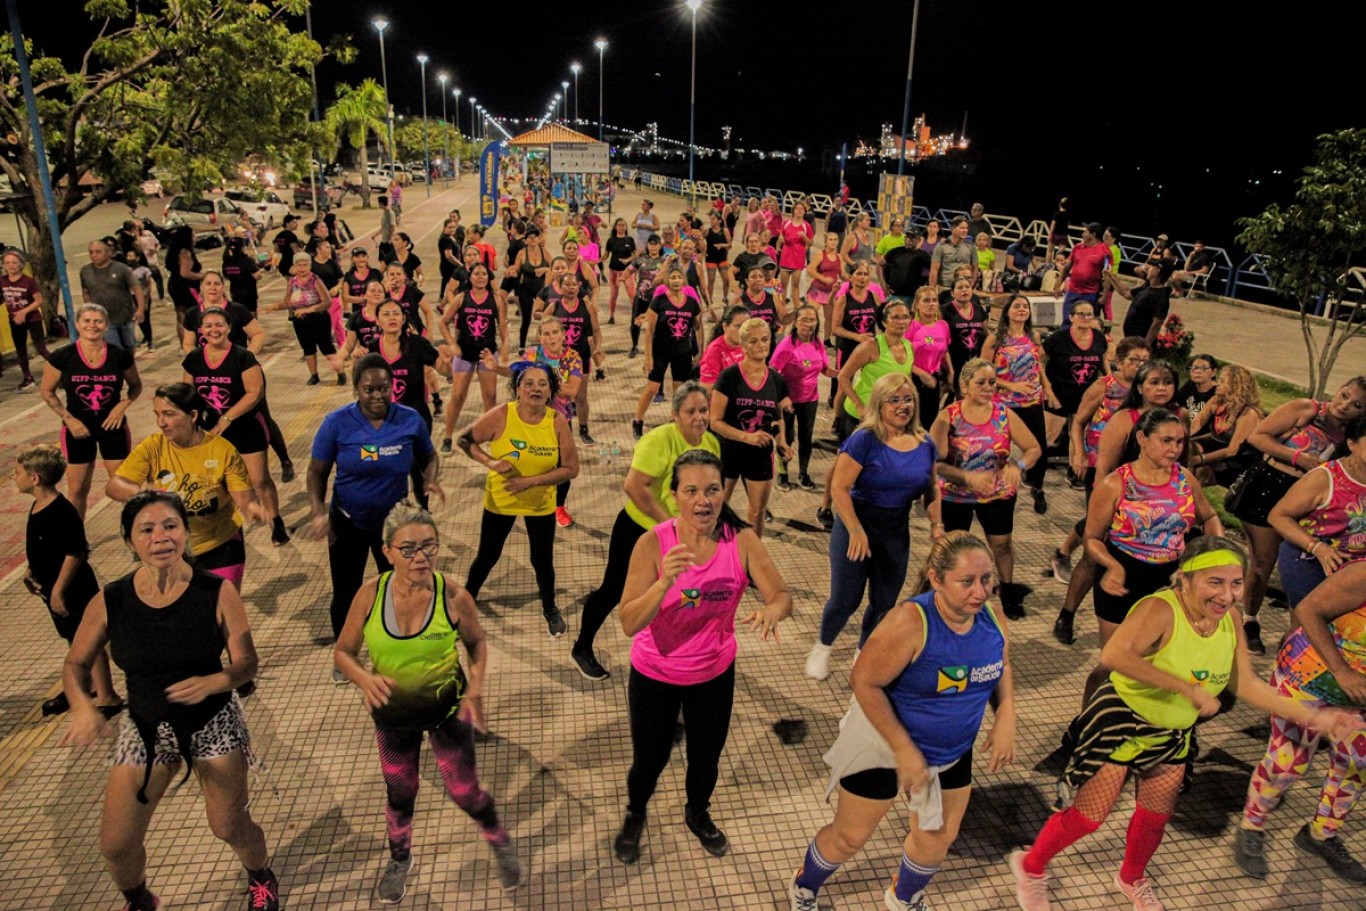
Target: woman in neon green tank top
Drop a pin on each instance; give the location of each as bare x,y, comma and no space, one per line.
1170,659
411,619
530,452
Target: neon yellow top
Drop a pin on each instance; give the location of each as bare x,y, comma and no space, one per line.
425,666
1189,656
654,456
533,449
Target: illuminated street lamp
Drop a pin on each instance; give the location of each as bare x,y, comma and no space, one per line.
693,5
601,45
426,141
574,68
380,26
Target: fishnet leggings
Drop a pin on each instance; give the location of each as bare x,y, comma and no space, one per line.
1157,790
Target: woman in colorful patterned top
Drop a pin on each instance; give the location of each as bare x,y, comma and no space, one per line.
1322,664
978,476
1220,428
1322,519
1298,436
1176,651
1014,350
410,620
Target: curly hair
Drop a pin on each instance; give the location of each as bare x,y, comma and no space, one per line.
1242,391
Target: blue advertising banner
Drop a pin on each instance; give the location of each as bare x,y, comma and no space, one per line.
488,185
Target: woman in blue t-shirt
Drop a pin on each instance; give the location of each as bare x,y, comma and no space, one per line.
881,469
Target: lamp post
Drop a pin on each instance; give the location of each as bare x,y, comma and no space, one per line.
381,25
564,91
458,137
473,119
906,105
445,130
426,133
693,5
601,45
574,68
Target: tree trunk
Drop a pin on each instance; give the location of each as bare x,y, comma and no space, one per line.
364,175
42,257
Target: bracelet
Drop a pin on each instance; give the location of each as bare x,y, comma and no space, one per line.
1314,548
936,525
1295,459
1019,463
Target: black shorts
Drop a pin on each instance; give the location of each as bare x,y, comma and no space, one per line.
232,552
997,516
112,445
314,332
1068,398
881,784
741,460
1140,578
1265,487
679,363
248,434
76,603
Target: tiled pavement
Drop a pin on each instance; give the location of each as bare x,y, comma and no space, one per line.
558,758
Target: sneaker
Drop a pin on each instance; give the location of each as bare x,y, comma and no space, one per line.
1075,481
313,380
341,379
637,430
554,622
783,483
436,405
57,705
509,865
1040,501
634,352
612,320
393,882
279,535
1252,629
1141,893
827,518
892,903
563,518
446,446
588,665
287,473
246,690
818,661
768,517
800,899
1062,567
263,894
659,398
338,678
1334,853
712,838
1062,628
27,384
805,482
1249,852
599,374
153,905
586,439
1031,892
627,844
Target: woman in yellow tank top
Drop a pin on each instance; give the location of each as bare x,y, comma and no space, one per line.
530,450
1170,659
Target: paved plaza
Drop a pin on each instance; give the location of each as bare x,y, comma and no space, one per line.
557,757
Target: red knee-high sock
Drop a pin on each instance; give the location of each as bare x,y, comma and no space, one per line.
1145,834
1061,830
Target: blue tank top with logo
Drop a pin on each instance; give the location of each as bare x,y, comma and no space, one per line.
941,696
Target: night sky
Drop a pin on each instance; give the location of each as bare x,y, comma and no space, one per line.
1152,115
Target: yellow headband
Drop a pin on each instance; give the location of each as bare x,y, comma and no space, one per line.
1210,559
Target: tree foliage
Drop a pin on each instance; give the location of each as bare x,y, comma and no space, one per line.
439,134
1310,245
358,112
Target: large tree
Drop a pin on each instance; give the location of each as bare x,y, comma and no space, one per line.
358,112
191,87
1310,246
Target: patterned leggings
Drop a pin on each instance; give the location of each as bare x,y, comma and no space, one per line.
1287,758
453,746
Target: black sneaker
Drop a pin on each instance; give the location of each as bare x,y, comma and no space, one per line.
554,622
246,689
279,535
341,379
599,374
627,844
287,472
1249,852
611,320
637,430
436,405
827,519
712,838
57,705
446,446
588,665
805,482
313,380
1040,501
634,352
783,483
1062,628
585,438
1334,853
1252,629
263,894
1076,481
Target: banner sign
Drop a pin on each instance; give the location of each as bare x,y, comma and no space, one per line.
488,185
578,158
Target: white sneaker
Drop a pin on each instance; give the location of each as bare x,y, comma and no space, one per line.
1031,892
818,661
895,904
1140,893
800,899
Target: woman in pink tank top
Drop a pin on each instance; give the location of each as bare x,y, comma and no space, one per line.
686,580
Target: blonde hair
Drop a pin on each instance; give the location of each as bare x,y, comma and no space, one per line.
970,368
753,323
1242,391
882,390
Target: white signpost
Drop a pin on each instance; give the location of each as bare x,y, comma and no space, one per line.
579,158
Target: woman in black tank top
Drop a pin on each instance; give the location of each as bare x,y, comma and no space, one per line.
181,705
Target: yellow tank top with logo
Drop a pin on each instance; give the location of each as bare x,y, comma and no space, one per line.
1203,660
533,449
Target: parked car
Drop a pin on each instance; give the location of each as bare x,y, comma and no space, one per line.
377,177
329,194
266,207
207,215
153,187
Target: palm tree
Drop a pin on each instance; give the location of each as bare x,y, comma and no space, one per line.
358,112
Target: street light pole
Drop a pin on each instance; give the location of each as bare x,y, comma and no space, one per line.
564,93
381,25
459,138
693,5
906,105
574,67
445,133
474,122
426,133
601,45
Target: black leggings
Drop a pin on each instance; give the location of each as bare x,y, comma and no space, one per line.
526,302
804,416
654,712
493,534
625,533
1033,419
277,438
21,333
639,304
561,493
346,563
928,406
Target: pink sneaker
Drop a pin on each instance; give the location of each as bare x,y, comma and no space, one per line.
1140,893
1031,892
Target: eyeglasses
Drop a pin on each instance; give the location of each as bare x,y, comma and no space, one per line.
1076,315
1138,361
428,550
899,400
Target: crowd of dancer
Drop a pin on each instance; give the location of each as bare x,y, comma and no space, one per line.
942,394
